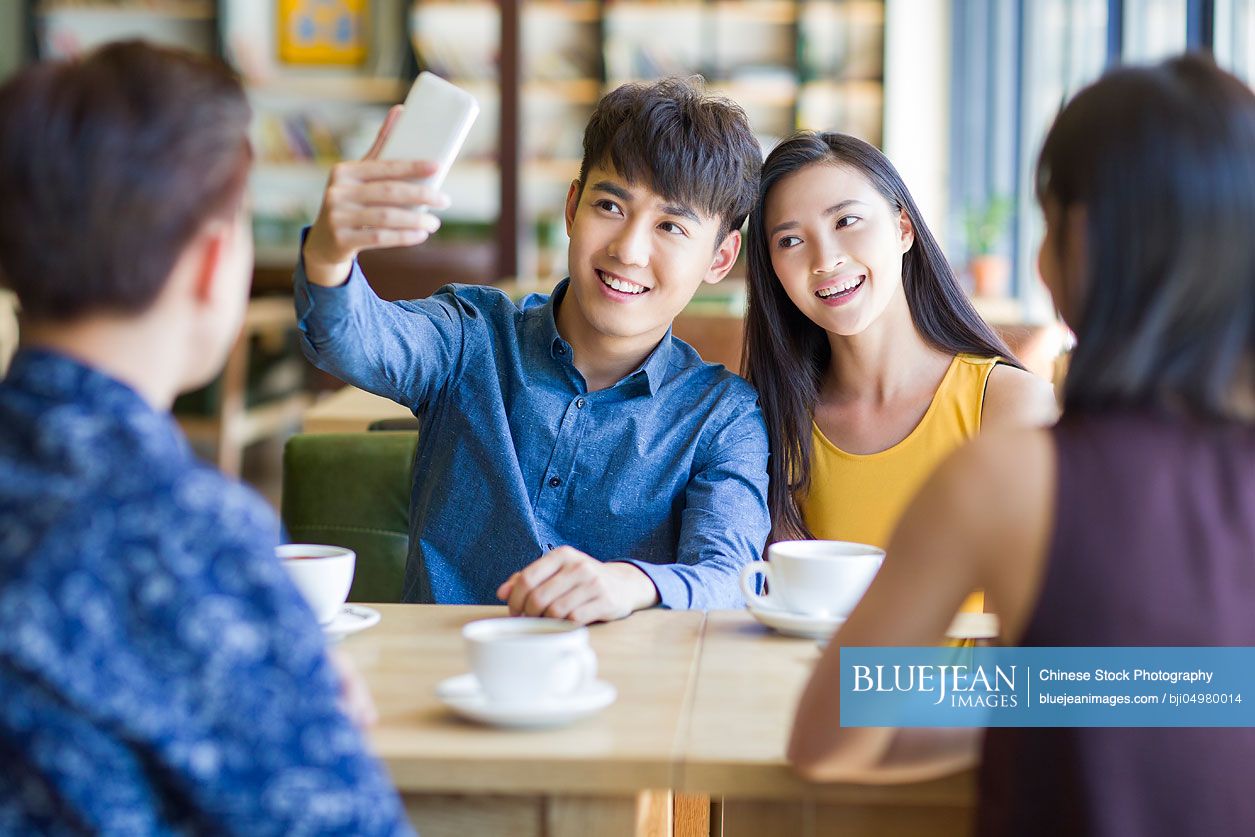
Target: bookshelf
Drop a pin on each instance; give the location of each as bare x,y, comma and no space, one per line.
790,63
561,79
61,28
537,68
318,93
815,64
468,43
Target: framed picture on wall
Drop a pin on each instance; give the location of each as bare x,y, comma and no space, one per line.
322,32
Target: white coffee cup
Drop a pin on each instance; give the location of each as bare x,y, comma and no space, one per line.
322,573
813,578
527,660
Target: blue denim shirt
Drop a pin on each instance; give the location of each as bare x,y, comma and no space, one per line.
158,671
666,469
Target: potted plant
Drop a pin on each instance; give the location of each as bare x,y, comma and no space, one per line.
984,227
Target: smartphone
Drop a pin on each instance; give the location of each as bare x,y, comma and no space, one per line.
433,126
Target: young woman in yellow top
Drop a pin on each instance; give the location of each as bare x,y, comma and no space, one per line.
871,364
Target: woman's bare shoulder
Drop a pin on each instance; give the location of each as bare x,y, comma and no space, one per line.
1016,398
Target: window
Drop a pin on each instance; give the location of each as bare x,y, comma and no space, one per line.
1016,63
1234,37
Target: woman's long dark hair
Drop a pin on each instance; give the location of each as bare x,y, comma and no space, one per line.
1162,159
786,354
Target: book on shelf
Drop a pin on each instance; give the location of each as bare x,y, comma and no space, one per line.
458,42
66,30
297,138
173,8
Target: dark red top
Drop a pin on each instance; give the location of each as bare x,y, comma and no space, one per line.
1154,544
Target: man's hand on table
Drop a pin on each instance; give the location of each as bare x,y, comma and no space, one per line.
567,584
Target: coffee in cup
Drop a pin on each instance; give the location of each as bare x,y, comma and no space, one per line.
322,573
813,578
527,660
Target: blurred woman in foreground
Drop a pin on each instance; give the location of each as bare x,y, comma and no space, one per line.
1132,522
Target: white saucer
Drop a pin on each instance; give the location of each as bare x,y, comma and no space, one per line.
463,695
966,626
351,619
796,624
974,626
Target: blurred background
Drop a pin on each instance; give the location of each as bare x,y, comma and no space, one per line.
957,92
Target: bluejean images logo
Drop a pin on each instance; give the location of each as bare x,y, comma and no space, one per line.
1048,687
966,686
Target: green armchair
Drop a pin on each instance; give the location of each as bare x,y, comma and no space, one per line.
353,490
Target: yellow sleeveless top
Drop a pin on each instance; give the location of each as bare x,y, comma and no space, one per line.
859,497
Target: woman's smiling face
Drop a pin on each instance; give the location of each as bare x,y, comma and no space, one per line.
836,245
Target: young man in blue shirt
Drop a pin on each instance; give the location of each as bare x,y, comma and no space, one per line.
575,459
159,673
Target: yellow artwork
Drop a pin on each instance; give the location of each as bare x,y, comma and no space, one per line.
322,31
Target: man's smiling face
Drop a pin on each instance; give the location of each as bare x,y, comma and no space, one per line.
637,258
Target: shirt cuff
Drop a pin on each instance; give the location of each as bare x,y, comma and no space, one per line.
674,592
333,305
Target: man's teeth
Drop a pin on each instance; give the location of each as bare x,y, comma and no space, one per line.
825,293
622,285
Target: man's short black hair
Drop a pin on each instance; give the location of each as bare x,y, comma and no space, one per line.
690,148
109,166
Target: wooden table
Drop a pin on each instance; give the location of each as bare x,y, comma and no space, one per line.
745,691
8,328
349,410
705,702
606,775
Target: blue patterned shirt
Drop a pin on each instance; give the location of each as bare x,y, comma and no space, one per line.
667,469
158,672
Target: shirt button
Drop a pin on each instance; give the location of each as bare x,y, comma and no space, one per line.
561,350
554,482
579,403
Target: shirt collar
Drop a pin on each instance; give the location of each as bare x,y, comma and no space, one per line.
50,375
653,371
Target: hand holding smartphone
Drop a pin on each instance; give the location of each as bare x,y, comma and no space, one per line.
381,200
433,126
